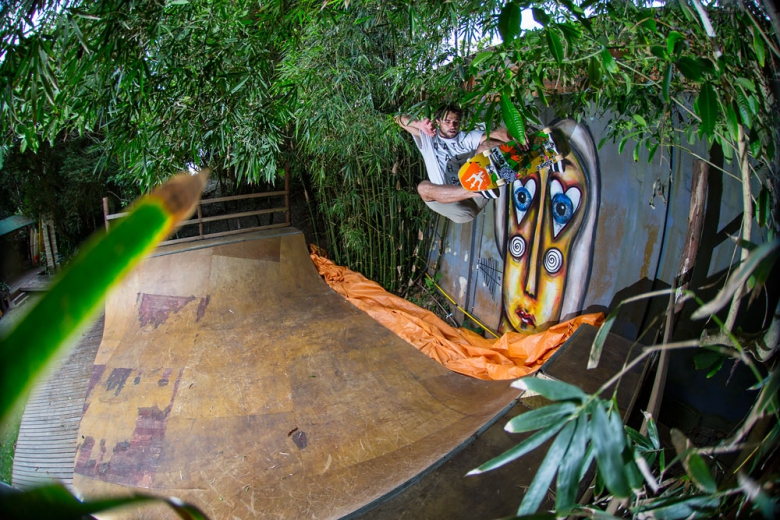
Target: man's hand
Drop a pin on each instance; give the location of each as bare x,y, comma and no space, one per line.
427,127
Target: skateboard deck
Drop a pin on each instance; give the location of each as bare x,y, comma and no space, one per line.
503,164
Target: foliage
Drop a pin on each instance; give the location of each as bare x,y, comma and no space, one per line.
165,84
657,69
631,468
61,181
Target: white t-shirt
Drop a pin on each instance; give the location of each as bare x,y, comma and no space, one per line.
444,157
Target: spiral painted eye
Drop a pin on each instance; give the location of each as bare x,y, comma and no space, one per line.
553,260
523,197
517,246
563,205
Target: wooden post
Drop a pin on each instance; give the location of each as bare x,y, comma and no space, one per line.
287,194
105,211
681,282
200,220
693,234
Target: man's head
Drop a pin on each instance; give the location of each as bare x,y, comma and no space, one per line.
448,119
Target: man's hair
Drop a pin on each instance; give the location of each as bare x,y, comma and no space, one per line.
443,110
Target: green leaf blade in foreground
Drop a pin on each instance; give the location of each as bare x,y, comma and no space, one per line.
551,389
609,442
43,335
528,445
30,347
512,118
540,418
546,472
55,501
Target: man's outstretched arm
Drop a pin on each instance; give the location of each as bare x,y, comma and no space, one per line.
417,126
498,134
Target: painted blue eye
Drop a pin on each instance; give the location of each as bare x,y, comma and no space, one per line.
563,204
523,199
523,194
562,209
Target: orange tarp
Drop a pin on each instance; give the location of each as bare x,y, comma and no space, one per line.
509,357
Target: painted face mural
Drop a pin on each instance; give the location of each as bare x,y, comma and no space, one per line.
546,225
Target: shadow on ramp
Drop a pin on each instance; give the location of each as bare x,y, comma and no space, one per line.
231,376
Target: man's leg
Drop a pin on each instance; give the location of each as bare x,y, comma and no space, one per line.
454,202
459,212
444,193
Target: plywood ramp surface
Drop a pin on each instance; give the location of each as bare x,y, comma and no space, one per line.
233,377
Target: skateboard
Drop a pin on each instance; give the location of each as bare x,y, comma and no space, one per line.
507,162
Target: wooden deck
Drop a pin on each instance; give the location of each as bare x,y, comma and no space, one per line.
47,441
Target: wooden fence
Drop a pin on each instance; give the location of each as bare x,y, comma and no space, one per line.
199,220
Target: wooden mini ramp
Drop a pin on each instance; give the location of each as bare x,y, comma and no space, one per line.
231,376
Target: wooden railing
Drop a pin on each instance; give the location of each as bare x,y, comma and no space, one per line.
200,220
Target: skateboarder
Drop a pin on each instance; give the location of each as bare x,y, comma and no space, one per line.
445,148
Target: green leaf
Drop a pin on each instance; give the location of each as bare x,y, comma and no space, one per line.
746,84
709,361
640,120
595,74
509,22
512,118
546,472
528,445
649,23
706,107
608,61
732,122
479,58
640,440
763,206
667,82
635,153
758,46
679,508
700,474
745,115
622,145
671,41
571,32
554,43
55,501
551,389
690,68
609,443
571,468
541,417
651,152
737,279
659,51
540,16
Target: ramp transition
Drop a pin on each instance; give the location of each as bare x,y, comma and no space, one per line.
231,376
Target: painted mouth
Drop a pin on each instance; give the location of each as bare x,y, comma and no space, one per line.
526,318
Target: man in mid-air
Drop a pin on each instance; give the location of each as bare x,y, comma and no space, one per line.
445,148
